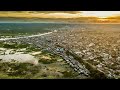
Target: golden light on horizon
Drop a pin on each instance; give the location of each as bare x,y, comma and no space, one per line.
78,16
59,14
100,14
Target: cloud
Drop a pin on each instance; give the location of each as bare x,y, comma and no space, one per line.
68,16
47,12
40,14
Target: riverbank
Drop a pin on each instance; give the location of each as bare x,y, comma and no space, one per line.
2,39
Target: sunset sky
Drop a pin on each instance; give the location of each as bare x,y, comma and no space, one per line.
97,16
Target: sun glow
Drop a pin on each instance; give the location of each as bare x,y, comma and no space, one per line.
100,14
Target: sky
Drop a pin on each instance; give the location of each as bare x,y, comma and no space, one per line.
86,16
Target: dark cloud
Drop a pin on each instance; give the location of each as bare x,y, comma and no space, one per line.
46,12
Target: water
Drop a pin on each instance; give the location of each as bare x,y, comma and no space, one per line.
34,28
30,27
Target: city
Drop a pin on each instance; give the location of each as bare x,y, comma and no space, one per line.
87,51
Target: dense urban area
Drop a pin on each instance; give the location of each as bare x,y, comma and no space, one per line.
79,52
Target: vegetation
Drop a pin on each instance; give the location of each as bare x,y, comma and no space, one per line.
15,45
15,69
69,74
46,61
31,48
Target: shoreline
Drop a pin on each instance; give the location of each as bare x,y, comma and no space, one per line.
2,39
